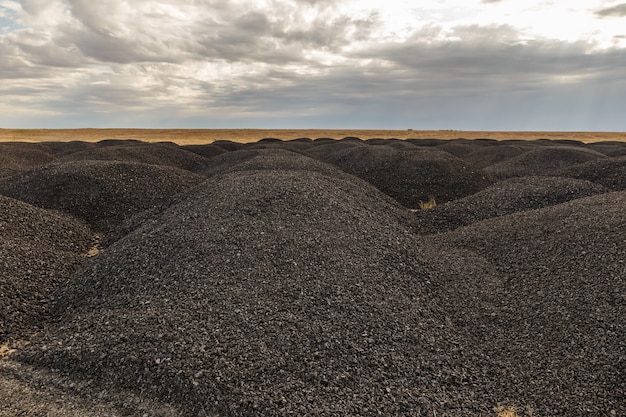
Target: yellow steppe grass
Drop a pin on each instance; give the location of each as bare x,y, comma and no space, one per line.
201,136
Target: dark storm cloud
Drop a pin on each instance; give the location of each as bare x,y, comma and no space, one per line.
615,11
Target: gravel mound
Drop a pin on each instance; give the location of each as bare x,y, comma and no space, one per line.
265,159
610,172
16,157
263,293
102,193
164,154
544,160
277,284
548,302
206,151
613,149
505,197
487,156
39,248
63,148
409,176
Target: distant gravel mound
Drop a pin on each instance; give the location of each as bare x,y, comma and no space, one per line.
613,149
505,197
487,156
62,148
265,159
543,161
264,293
17,157
610,172
206,151
164,154
102,193
39,248
409,176
543,293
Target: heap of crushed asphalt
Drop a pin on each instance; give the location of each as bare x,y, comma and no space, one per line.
102,193
164,154
545,160
16,157
279,280
38,248
505,197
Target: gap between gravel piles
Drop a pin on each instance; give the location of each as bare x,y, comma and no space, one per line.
282,285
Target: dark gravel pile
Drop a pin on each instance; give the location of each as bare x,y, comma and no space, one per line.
38,248
505,197
409,176
613,149
266,159
282,282
549,302
102,193
487,156
610,172
165,154
545,160
62,148
206,151
16,157
265,293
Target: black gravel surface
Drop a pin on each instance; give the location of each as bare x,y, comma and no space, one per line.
17,157
206,151
613,149
409,176
548,302
505,197
278,283
38,248
102,193
487,156
545,160
165,154
610,172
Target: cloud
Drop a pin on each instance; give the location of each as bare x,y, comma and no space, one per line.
615,11
242,63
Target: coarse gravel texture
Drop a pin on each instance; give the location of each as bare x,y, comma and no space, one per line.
545,160
263,292
16,157
277,284
164,154
610,172
409,176
102,193
491,155
505,197
38,249
548,302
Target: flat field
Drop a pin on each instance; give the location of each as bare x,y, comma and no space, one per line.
199,136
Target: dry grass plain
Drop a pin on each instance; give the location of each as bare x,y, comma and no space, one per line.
200,136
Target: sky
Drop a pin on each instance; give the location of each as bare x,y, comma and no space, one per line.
362,64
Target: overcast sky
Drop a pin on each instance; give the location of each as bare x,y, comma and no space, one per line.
389,64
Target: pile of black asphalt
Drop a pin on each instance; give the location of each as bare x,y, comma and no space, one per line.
16,157
164,154
297,278
410,176
505,197
38,248
101,193
610,172
545,160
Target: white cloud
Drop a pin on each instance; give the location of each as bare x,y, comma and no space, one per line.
303,59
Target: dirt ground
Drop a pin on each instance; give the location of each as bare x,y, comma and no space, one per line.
197,136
